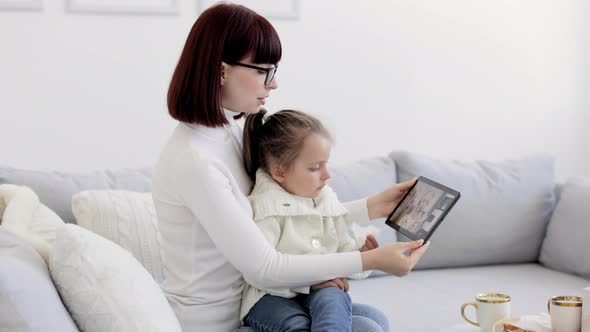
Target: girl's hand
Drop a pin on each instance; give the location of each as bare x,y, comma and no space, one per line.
341,283
381,204
370,243
397,258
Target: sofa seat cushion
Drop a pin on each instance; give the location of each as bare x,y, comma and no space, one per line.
430,300
502,214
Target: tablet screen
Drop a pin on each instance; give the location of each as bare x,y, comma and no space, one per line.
422,209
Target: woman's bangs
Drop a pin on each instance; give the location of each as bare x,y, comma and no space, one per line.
265,46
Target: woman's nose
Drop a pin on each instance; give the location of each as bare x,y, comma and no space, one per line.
273,84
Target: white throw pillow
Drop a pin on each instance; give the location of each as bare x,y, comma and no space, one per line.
104,287
23,214
126,218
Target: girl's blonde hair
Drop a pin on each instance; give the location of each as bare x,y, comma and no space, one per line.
277,138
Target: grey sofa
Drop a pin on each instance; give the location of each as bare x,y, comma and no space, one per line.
514,231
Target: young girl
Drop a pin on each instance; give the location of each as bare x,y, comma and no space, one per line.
286,154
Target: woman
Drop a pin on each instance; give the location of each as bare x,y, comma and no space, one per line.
210,243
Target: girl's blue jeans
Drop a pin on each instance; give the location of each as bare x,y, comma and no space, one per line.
327,309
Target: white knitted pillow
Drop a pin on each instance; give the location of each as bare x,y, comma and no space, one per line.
126,218
104,287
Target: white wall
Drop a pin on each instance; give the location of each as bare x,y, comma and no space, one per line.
457,79
584,154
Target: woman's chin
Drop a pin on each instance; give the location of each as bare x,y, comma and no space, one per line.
253,110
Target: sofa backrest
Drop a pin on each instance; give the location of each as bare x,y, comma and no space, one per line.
501,217
55,189
565,248
362,178
502,214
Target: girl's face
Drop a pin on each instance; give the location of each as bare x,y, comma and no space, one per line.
243,89
309,172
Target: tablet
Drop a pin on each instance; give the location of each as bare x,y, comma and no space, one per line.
422,209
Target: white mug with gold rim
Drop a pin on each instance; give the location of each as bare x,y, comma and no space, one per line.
489,308
566,313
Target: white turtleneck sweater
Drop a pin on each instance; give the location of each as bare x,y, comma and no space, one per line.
209,240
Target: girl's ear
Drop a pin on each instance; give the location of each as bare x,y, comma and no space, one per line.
277,172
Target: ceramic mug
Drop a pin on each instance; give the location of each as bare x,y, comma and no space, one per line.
566,313
489,308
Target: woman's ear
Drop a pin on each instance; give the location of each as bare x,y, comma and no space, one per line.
223,72
277,172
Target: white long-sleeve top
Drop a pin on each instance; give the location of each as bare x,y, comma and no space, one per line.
208,237
300,226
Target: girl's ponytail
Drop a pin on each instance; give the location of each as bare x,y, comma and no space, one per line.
252,154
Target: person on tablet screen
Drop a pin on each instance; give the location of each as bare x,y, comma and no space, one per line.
413,220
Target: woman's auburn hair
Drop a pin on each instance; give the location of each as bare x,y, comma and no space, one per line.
223,33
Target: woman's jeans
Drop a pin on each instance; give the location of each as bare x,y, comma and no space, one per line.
327,309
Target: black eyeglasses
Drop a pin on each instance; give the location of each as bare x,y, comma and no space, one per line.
270,72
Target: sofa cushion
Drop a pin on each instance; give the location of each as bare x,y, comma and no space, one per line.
28,299
502,214
55,189
430,300
363,178
565,248
23,214
126,218
104,287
